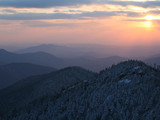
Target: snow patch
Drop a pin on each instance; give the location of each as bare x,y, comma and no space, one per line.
85,81
137,67
125,81
71,87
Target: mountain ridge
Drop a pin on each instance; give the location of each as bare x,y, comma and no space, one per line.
10,73
33,87
46,59
128,90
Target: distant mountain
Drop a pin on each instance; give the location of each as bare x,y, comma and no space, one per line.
13,72
132,52
35,87
46,59
57,50
127,91
40,58
91,50
153,60
76,50
96,64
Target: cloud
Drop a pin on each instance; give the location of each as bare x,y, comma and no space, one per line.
154,11
46,24
8,11
41,3
144,4
36,16
53,3
84,15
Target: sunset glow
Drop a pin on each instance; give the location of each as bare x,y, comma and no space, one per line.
148,24
100,22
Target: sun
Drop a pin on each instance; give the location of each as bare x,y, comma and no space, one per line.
149,17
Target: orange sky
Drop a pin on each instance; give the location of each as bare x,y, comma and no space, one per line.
110,24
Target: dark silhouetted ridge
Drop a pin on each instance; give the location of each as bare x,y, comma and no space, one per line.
13,72
127,91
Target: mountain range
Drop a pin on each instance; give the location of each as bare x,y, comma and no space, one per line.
153,60
57,50
126,91
35,87
47,59
148,54
11,73
93,50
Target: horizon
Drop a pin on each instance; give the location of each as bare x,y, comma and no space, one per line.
90,50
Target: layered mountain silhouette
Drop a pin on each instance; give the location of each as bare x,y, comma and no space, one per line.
94,50
153,59
57,50
127,91
46,59
35,87
13,72
40,58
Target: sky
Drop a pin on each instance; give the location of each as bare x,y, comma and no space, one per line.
107,22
